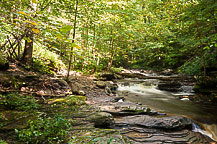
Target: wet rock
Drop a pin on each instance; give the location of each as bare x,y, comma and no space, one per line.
76,88
81,92
117,99
174,122
133,75
169,85
102,120
154,136
110,76
167,72
113,87
205,84
124,109
62,83
101,84
110,88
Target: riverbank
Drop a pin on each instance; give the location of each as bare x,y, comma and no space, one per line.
94,111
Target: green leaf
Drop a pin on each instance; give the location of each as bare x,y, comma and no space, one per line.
66,29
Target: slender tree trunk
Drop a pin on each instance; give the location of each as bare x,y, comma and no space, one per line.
113,52
87,41
94,42
98,46
72,48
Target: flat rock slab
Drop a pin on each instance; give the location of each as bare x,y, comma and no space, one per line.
127,109
170,123
151,136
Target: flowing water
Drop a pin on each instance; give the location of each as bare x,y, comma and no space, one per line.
146,92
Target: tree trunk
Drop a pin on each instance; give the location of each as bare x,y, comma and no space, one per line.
71,50
28,49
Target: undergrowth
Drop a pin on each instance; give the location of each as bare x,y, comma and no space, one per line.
18,102
45,131
45,61
195,65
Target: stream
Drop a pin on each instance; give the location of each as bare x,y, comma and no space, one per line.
145,91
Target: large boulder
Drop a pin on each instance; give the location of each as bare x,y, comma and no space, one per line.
102,120
127,109
110,76
101,84
77,89
174,122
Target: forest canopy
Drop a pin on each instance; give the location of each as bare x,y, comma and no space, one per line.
95,35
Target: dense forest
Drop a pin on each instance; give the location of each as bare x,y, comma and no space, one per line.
108,71
96,35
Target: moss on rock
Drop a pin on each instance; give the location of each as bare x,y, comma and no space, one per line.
70,100
16,119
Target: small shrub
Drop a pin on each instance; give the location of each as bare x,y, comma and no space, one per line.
19,102
45,130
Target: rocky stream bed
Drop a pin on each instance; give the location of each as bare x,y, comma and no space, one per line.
97,114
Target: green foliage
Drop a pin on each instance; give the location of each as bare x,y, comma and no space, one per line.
19,102
1,117
46,61
2,58
195,65
3,142
192,67
45,130
123,33
114,69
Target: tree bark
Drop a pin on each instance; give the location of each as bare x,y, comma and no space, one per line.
28,49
